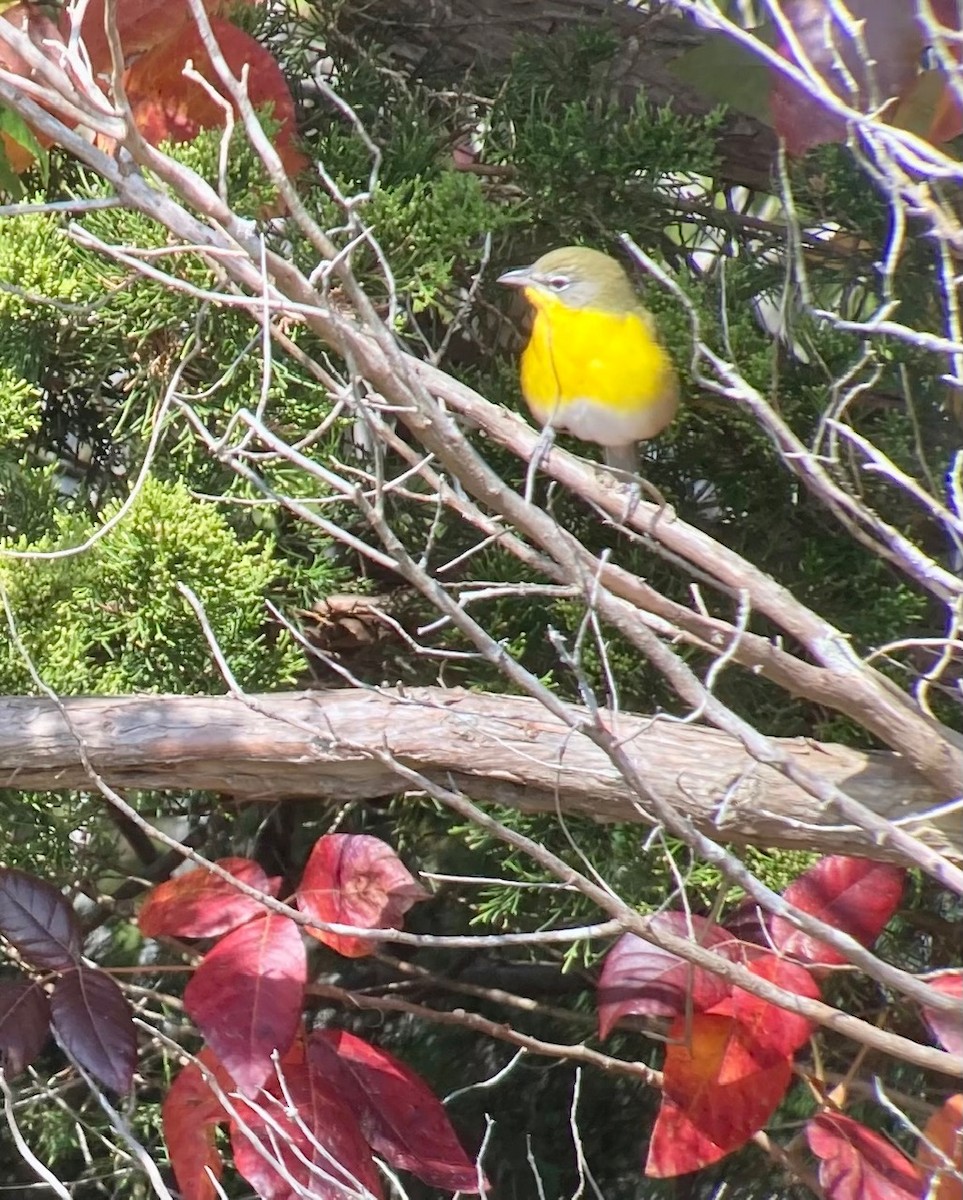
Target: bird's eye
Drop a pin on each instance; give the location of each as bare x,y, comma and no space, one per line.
558,283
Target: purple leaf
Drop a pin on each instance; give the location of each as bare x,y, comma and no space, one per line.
641,979
38,921
24,1024
93,1021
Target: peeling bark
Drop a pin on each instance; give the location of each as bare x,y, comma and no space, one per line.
335,746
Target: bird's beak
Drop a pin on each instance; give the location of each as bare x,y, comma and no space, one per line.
518,278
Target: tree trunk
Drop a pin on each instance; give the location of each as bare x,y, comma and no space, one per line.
339,745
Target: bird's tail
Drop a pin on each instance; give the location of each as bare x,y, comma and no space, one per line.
623,458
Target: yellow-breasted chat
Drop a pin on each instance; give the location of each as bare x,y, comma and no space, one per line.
594,365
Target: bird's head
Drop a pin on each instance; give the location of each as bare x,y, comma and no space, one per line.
576,277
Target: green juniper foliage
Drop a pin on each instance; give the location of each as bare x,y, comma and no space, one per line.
110,618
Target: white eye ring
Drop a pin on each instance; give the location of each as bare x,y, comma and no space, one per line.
558,283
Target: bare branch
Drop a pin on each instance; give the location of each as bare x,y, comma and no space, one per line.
501,748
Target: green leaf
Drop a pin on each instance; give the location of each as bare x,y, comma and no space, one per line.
727,71
16,128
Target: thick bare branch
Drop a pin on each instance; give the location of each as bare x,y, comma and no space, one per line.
330,745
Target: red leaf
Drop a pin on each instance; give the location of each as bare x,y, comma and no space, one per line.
400,1117
779,1031
854,895
719,1089
24,1024
167,106
858,1164
191,1113
38,921
246,997
141,24
93,1021
641,979
354,879
940,1151
947,1027
199,904
893,43
326,1133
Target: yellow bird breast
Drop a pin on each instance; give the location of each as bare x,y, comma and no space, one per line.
599,375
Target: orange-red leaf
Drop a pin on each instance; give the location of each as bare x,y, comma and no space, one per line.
354,879
247,994
190,1114
141,24
858,1164
199,904
719,1089
941,1151
778,1030
169,107
157,38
